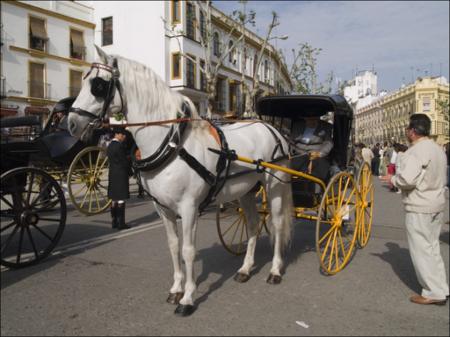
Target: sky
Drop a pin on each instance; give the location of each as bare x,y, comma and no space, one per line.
400,40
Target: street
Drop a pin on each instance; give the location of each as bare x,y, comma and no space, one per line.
103,282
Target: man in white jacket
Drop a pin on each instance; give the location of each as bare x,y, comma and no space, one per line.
421,176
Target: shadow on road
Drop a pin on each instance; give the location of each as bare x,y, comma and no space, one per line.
216,261
401,264
74,233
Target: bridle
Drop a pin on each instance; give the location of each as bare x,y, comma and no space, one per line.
105,90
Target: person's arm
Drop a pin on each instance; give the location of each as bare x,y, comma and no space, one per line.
408,172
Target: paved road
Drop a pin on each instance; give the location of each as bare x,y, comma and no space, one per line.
101,282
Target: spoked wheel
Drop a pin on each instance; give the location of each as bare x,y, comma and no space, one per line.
87,181
364,208
33,216
232,223
336,224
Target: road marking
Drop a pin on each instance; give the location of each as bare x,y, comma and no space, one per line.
90,242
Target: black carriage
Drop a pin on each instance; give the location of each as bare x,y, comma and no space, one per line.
35,162
341,203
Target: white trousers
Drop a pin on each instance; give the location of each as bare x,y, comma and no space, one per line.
423,230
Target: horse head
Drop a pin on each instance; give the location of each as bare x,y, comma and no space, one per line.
100,96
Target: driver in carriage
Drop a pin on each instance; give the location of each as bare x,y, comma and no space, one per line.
312,143
60,112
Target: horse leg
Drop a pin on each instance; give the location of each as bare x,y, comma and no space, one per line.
170,223
281,209
189,218
248,204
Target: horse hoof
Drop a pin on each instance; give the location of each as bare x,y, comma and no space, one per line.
184,310
174,298
241,278
274,279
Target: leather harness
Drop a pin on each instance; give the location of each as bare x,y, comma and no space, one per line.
171,146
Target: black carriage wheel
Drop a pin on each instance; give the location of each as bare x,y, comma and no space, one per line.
33,216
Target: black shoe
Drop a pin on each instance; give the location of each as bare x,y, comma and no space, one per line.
115,222
121,217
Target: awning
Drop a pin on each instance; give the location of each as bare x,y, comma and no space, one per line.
5,112
37,27
77,41
36,110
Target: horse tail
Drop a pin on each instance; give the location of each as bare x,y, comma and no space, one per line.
288,206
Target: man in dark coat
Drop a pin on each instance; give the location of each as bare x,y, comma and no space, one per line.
118,187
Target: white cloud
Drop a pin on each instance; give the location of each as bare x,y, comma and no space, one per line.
392,36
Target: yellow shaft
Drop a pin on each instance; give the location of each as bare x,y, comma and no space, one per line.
283,169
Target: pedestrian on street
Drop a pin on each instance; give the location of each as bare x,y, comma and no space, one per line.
421,176
375,162
119,170
366,154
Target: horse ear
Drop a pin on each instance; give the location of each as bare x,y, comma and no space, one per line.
103,56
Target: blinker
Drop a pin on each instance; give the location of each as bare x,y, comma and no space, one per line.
100,87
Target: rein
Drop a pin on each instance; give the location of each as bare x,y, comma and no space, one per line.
179,120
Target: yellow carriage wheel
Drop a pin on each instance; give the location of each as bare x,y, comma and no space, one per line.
336,223
87,181
232,223
364,209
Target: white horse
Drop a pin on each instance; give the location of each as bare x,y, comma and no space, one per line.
143,96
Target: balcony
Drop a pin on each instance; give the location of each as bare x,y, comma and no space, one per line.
39,89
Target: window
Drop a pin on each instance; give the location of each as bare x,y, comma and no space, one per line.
245,60
233,96
231,53
107,31
36,84
75,77
176,66
202,76
426,104
216,45
190,72
220,95
202,26
38,34
266,71
190,20
77,48
176,11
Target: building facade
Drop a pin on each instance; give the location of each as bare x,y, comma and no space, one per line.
386,118
146,39
45,49
362,85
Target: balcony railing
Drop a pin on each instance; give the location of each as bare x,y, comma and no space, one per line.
39,89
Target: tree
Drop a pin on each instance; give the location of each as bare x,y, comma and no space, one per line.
303,71
251,91
216,52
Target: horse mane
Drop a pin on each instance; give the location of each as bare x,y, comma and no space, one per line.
149,93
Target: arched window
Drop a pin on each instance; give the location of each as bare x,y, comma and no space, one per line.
216,44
